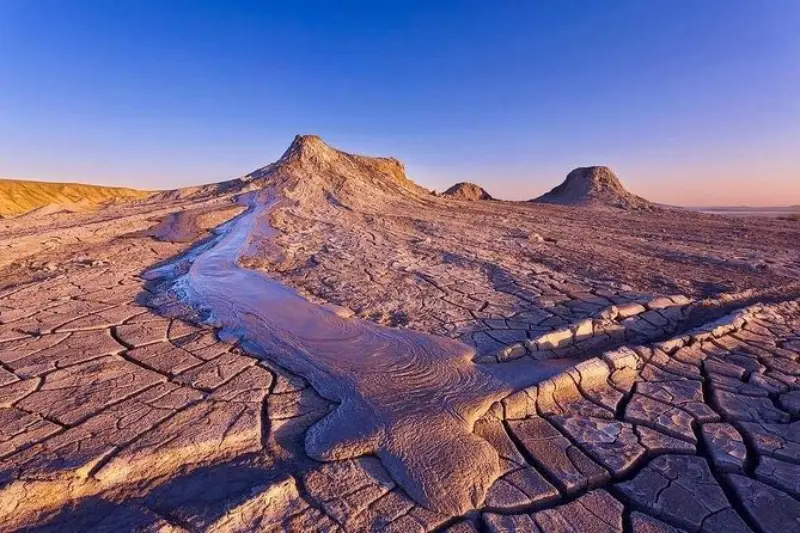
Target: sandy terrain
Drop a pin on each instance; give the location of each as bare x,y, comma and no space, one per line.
323,345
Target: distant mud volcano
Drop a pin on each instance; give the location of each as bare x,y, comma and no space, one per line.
467,191
594,187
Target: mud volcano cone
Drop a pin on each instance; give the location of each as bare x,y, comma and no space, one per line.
594,187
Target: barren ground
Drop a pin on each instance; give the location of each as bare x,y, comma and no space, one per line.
510,366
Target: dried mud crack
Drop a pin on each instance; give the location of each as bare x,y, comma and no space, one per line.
508,366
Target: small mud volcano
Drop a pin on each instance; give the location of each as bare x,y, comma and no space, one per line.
594,187
467,191
191,224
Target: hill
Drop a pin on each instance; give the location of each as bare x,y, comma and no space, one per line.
467,191
594,187
311,171
18,197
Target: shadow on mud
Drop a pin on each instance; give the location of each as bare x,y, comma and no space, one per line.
196,498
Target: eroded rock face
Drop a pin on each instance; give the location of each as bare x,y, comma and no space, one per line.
467,191
675,410
594,186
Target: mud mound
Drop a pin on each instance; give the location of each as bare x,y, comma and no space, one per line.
186,226
18,197
467,191
594,187
316,175
312,172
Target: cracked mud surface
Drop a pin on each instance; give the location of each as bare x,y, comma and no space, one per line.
127,408
434,388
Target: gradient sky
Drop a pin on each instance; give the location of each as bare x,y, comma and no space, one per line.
691,102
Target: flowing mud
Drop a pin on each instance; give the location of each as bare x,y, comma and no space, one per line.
408,397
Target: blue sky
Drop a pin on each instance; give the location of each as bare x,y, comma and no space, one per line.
693,102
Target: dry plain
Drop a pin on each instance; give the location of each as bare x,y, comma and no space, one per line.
323,345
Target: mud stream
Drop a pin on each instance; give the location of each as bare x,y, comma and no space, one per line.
407,397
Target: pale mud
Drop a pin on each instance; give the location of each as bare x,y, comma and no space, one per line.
190,224
409,398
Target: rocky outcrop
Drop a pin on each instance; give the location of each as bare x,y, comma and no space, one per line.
594,187
467,191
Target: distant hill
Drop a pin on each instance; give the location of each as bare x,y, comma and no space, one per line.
18,197
467,191
593,187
